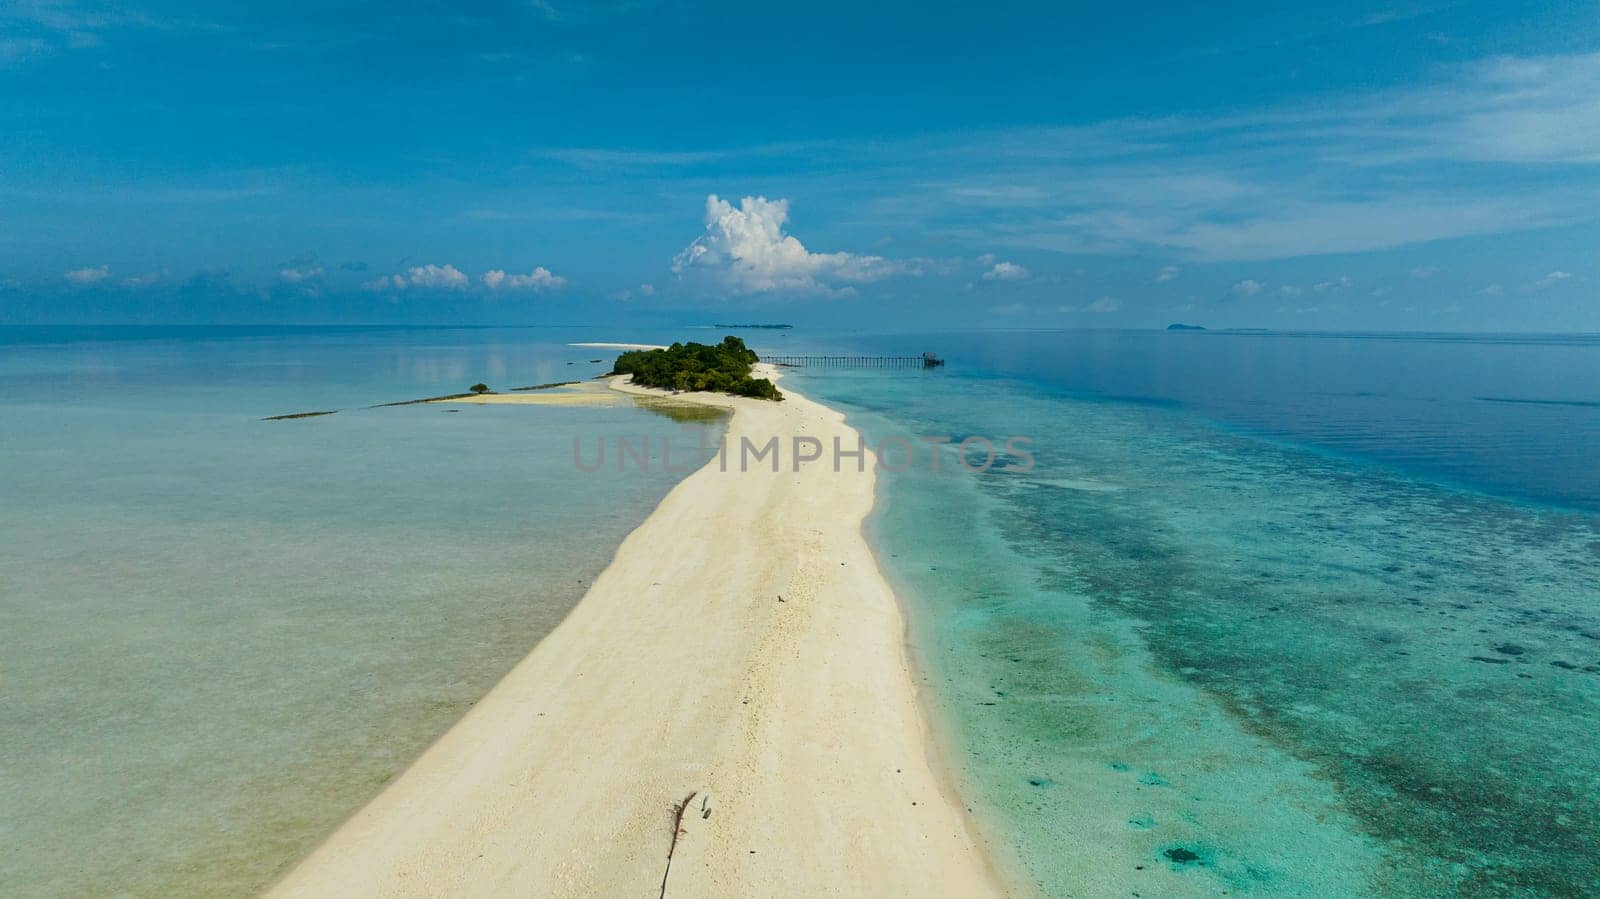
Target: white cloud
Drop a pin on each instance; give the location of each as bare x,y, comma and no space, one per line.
1343,174
445,277
385,282
1247,288
144,280
1425,271
17,49
1551,280
1526,109
648,290
1167,273
1289,290
1103,306
1492,290
82,277
540,278
292,275
987,259
746,250
1338,283
1006,271
597,158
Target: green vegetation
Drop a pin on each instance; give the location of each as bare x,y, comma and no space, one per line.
479,388
722,368
681,412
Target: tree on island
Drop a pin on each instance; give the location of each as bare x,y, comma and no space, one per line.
479,389
721,368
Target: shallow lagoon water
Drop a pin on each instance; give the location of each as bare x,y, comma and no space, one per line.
1187,654
1232,634
218,635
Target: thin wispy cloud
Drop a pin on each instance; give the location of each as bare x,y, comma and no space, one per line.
49,26
1350,176
15,50
1552,280
626,158
145,280
604,158
82,277
1101,306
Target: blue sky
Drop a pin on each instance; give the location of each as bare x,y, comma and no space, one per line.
1430,166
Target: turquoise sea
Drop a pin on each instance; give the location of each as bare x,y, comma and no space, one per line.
219,635
1272,614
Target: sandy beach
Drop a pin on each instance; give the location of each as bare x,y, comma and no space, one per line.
742,649
581,393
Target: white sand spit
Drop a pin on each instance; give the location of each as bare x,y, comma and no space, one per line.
794,723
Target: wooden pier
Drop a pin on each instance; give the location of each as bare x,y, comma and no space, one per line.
926,360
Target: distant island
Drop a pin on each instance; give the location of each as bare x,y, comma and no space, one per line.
768,327
1180,326
721,368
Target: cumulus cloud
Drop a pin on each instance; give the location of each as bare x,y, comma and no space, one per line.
442,277
1338,283
1167,273
648,290
746,250
1551,279
1289,290
82,277
1247,288
1006,271
1425,271
293,275
540,278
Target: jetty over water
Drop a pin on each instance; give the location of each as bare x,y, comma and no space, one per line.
926,360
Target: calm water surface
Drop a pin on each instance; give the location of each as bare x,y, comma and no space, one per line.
219,635
1284,615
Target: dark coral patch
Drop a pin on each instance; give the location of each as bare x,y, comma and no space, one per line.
1184,857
